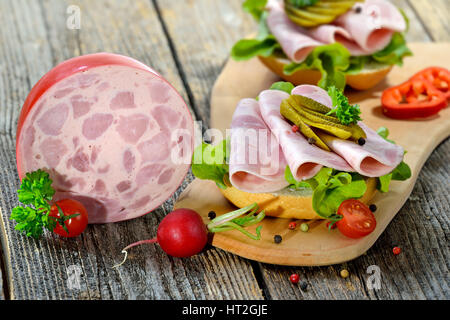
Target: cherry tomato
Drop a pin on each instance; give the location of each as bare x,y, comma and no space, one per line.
357,219
75,225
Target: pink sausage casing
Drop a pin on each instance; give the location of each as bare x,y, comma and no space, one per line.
111,133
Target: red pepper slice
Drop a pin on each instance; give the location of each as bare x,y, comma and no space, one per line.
439,77
413,99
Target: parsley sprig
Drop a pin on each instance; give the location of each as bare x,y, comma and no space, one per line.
344,111
36,193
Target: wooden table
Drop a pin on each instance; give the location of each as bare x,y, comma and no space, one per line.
188,43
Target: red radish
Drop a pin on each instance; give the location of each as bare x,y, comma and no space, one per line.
182,232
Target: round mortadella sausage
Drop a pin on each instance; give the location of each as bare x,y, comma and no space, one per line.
110,131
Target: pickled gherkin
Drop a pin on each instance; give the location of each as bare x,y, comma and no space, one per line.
322,12
309,115
289,113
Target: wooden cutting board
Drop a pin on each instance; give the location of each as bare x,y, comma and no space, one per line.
319,246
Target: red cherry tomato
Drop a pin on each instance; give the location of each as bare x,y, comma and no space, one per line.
75,225
357,219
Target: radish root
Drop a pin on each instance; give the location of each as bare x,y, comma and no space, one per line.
125,252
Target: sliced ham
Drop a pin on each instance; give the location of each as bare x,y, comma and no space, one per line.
363,31
294,40
328,33
257,163
111,133
375,158
373,26
313,92
304,159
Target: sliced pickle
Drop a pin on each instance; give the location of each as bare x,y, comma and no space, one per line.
291,114
327,11
310,103
300,21
313,120
357,132
311,16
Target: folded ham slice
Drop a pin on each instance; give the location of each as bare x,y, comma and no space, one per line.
304,159
263,143
375,158
257,163
372,26
294,40
364,30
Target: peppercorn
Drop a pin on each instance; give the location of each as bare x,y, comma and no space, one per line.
396,250
294,128
294,278
361,141
303,285
311,140
344,273
277,238
373,207
304,227
292,225
358,9
211,215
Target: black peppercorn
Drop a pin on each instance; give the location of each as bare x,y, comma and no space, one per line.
361,141
373,207
303,285
211,215
277,238
311,140
358,9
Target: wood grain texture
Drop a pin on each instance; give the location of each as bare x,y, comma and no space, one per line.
399,279
34,38
202,33
434,15
188,43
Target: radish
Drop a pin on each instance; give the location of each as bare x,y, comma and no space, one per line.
182,232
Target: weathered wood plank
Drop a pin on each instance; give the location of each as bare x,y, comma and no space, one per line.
417,32
202,50
203,33
434,17
34,38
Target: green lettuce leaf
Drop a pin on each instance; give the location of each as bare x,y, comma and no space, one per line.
283,86
401,173
395,51
255,8
330,189
331,60
210,162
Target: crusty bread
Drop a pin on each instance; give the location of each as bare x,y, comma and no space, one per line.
363,80
286,205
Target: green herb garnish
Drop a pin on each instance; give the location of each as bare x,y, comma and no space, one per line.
302,3
236,220
345,112
36,192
